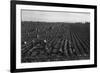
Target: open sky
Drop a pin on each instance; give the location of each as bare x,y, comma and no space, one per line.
52,16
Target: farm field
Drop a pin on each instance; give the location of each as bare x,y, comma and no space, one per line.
54,41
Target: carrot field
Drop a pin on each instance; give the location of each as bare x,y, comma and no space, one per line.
54,41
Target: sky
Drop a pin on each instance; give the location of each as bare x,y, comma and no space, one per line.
54,16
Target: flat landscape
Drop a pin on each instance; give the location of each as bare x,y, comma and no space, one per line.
54,41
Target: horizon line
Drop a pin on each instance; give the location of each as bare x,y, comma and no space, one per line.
56,22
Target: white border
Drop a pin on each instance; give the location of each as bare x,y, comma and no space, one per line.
20,65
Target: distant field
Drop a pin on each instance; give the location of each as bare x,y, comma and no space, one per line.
46,41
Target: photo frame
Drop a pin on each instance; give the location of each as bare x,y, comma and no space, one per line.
71,29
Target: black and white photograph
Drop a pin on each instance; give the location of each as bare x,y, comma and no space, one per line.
52,36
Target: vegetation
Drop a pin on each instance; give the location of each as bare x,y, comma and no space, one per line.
46,41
